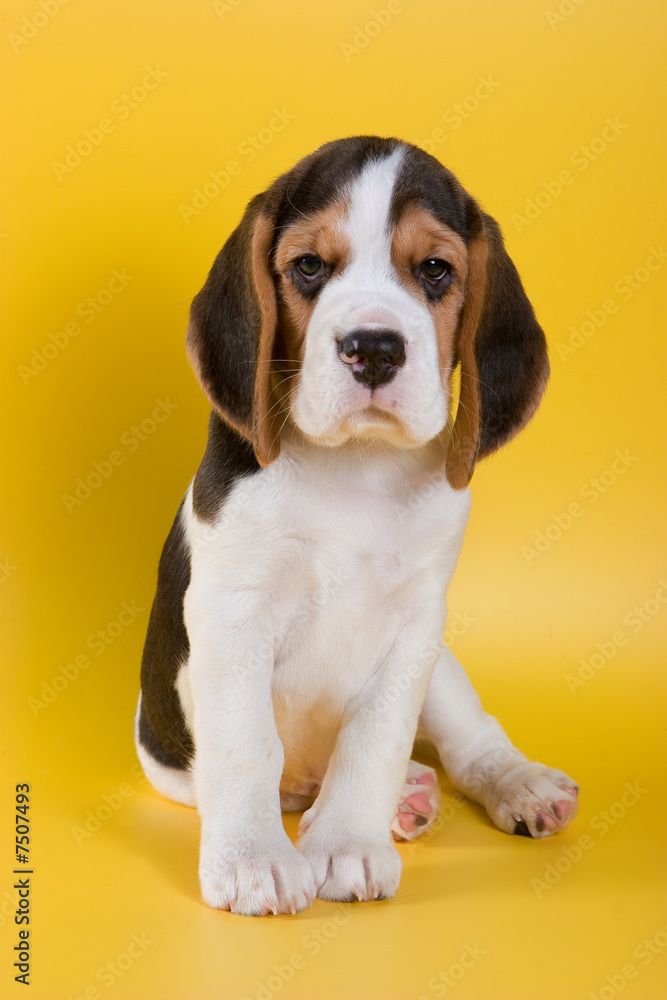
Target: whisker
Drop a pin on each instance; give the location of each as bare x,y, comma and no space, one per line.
287,416
267,361
396,466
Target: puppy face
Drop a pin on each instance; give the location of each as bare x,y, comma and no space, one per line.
346,297
371,296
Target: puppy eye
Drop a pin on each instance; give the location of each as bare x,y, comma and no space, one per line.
309,265
433,269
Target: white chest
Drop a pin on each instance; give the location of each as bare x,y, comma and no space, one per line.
331,568
333,562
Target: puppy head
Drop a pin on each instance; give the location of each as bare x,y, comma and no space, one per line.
345,299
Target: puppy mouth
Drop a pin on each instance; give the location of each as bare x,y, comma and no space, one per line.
374,419
375,414
382,402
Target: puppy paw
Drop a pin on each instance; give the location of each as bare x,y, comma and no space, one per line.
353,871
420,803
532,800
257,880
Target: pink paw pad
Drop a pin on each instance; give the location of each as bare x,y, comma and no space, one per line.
562,810
419,806
555,818
551,818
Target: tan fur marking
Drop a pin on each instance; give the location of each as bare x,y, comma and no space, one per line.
323,235
467,428
418,236
266,415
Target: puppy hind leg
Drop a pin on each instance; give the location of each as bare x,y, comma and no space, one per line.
169,781
520,796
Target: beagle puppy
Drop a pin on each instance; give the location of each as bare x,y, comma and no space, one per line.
363,339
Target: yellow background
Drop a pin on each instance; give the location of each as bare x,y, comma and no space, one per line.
527,621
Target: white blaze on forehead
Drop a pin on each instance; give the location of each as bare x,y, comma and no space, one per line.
367,219
329,405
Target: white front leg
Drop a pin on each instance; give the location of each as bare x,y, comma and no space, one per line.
519,795
247,862
346,833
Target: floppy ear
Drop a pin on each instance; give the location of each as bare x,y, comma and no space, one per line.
232,329
502,351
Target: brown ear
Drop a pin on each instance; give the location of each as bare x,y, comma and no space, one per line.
232,329
502,350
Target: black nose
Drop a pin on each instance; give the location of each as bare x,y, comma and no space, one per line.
374,356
